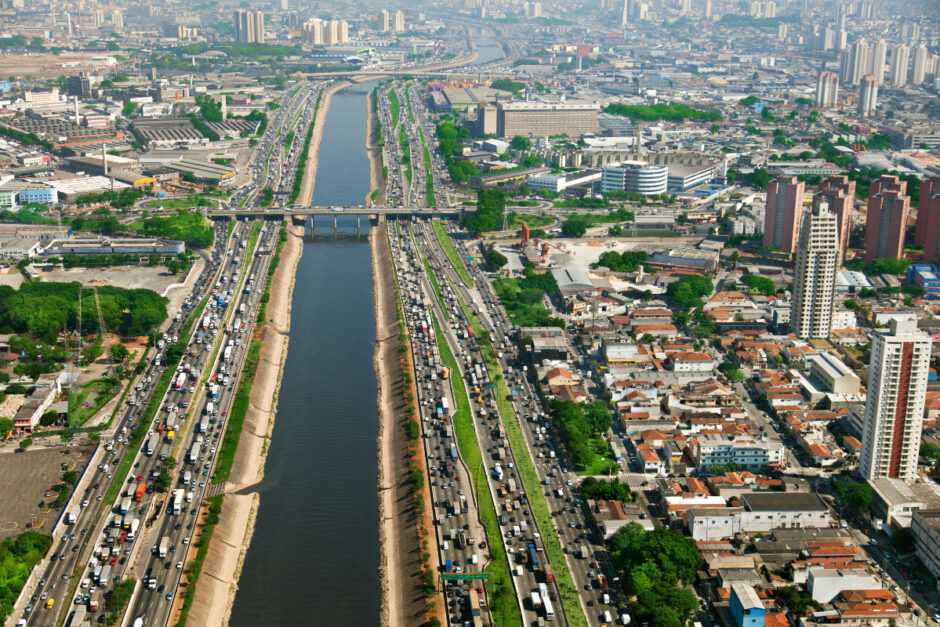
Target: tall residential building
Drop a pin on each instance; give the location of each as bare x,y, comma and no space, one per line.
827,90
879,55
919,69
537,9
399,21
897,71
249,26
894,409
784,213
888,209
384,21
839,193
867,96
927,230
814,280
319,32
855,62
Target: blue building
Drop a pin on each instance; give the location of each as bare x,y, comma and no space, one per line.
925,276
38,194
746,606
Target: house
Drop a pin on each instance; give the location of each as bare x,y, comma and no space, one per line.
558,377
690,361
746,607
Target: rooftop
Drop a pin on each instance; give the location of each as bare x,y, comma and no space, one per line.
789,501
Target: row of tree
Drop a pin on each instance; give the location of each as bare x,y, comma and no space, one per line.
578,426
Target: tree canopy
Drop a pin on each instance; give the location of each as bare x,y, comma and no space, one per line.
628,261
689,290
655,565
671,112
577,425
489,214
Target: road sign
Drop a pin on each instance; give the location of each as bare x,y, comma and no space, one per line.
490,386
455,576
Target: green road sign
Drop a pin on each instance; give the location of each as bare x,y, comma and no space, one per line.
489,387
455,576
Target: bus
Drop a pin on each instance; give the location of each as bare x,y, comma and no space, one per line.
474,602
549,610
534,558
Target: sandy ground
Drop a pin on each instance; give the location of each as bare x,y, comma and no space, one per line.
310,171
215,592
12,277
403,601
376,178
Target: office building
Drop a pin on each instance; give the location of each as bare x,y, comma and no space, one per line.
249,26
385,23
867,96
635,177
888,209
827,90
839,193
897,70
894,410
784,213
814,280
919,69
879,55
927,230
542,119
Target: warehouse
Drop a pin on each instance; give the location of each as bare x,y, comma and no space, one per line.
71,189
105,245
204,170
166,133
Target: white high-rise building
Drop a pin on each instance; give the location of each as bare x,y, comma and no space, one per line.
537,9
855,63
919,71
878,56
399,21
814,280
827,90
867,96
897,71
384,21
894,410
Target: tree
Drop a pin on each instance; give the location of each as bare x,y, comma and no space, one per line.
856,497
689,290
759,284
92,352
491,204
574,227
163,481
849,304
902,540
119,352
520,143
929,450
169,462
494,258
731,372
6,427
70,477
26,442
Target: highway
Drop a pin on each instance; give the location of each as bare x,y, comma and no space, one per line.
68,553
572,520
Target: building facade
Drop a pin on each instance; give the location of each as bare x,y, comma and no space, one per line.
814,280
867,96
927,230
542,119
894,410
249,26
635,177
827,90
888,209
784,213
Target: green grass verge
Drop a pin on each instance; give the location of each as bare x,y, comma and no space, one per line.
428,169
514,220
103,391
275,260
233,428
195,566
394,106
405,148
566,588
411,113
502,594
302,161
444,239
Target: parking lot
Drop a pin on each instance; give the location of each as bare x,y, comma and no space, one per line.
24,478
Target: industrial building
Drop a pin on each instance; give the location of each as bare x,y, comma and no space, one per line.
106,245
168,133
635,177
560,182
69,190
543,119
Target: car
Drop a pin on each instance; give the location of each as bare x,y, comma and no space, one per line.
169,596
179,565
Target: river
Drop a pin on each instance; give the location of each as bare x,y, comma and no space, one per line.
314,557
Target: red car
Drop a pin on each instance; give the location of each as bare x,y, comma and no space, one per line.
113,561
140,477
223,414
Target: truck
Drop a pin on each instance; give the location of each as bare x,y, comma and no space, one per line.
548,573
105,576
164,546
72,517
125,505
139,492
445,406
132,534
203,425
77,617
585,552
180,381
193,456
474,602
227,354
176,505
536,601
214,391
602,581
151,446
453,452
93,601
209,408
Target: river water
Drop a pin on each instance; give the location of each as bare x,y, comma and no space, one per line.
314,557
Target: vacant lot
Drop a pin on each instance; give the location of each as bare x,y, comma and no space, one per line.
24,478
154,278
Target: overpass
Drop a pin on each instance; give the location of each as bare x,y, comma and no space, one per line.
280,213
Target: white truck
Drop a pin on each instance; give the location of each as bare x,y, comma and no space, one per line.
164,546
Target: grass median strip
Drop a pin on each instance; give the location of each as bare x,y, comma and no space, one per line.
194,567
444,239
566,588
502,595
275,260
233,430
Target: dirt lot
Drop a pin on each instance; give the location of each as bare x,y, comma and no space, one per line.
44,65
11,277
24,477
155,278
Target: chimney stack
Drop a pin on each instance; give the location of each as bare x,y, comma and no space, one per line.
104,159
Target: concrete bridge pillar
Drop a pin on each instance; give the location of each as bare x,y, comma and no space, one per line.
358,224
299,220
